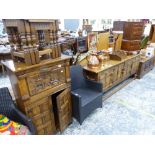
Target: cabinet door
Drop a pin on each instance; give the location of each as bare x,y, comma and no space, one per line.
128,68
64,109
120,71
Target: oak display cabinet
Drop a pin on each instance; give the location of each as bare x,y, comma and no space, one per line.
42,92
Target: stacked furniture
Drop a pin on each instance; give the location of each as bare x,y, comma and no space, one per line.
33,40
86,94
132,33
42,92
39,75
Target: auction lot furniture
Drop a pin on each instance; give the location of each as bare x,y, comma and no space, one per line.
132,33
32,40
146,64
86,94
113,72
42,92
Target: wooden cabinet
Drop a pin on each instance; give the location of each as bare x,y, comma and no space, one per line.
132,35
42,92
113,72
46,78
133,30
130,45
145,66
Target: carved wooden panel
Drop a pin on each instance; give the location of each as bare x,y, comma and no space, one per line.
64,109
42,115
38,107
46,78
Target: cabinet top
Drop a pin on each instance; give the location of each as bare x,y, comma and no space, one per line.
19,66
109,64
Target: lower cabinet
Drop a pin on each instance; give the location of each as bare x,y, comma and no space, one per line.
115,74
145,66
51,114
42,92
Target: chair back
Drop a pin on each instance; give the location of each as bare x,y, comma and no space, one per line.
77,78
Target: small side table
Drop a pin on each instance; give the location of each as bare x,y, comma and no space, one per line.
146,64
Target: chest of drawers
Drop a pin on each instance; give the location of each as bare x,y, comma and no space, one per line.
133,30
130,45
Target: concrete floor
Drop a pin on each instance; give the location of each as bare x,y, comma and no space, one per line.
129,111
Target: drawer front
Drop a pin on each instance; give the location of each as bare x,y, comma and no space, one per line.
38,107
138,29
130,45
133,31
46,78
134,43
